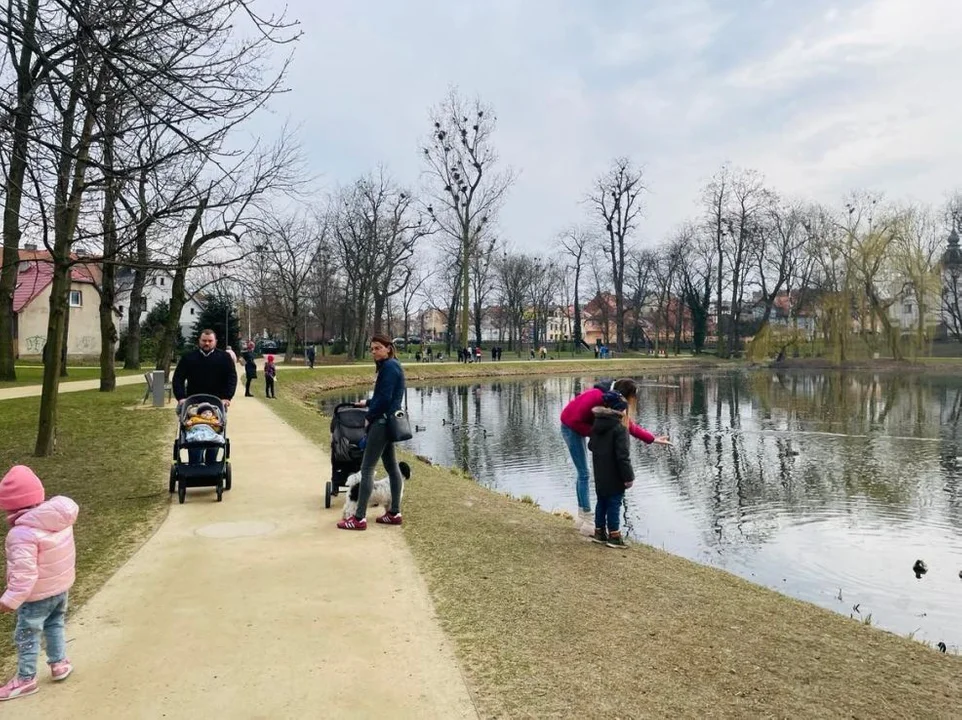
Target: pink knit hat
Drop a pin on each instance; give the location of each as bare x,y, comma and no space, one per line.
20,488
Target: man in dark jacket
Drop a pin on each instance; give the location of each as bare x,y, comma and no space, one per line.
611,461
208,371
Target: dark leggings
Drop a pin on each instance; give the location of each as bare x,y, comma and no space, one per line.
250,379
378,448
270,386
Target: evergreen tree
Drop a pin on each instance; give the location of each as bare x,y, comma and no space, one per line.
151,331
218,310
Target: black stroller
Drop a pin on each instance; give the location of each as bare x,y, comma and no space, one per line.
183,473
347,429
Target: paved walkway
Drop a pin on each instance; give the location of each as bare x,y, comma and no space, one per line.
258,607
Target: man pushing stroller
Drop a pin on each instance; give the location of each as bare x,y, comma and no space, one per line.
205,371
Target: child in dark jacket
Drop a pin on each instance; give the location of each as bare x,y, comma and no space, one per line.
270,376
611,460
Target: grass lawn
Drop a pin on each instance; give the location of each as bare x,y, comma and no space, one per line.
546,624
112,461
33,375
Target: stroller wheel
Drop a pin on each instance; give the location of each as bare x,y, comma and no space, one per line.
172,486
327,494
220,491
227,476
181,494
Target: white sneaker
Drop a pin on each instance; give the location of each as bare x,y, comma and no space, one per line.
587,520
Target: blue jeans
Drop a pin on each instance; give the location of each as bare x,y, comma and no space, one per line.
608,512
579,455
33,618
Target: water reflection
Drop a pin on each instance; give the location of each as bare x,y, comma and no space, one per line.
826,486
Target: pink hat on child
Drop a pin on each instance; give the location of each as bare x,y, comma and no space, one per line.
20,488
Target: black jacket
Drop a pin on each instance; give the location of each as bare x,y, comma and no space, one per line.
211,374
388,390
610,453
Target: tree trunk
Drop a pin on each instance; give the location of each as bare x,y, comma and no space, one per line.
132,356
108,290
178,298
576,334
13,190
465,285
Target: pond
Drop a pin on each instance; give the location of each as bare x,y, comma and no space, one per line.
823,486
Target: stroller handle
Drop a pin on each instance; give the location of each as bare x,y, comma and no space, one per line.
344,405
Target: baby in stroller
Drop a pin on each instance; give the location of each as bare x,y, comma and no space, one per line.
204,424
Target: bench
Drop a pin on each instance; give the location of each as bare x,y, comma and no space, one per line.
149,377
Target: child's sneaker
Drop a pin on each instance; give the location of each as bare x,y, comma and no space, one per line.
616,541
389,518
60,670
352,523
18,687
600,536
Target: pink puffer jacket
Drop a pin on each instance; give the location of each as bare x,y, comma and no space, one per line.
40,552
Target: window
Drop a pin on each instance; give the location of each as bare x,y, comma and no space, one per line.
76,298
907,309
161,282
192,311
120,309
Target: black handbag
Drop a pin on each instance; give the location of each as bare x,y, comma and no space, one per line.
398,426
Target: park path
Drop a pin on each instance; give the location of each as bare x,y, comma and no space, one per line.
258,607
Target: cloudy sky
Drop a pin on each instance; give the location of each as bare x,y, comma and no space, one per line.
822,97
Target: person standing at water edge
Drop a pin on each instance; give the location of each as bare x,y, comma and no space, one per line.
611,461
387,398
208,371
576,421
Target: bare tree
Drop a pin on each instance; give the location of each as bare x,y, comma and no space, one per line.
286,250
617,200
482,275
744,227
698,266
639,281
575,242
715,197
460,164
779,249
514,277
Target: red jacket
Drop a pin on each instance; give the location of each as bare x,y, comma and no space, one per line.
577,415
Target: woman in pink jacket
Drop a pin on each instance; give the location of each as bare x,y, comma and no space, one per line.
40,571
576,420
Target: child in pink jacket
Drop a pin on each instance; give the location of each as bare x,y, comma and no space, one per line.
40,571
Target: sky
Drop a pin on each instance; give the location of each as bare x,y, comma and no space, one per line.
821,97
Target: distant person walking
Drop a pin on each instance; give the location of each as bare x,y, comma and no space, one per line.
208,371
576,422
250,369
311,354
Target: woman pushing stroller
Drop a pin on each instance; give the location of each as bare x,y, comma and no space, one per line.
387,398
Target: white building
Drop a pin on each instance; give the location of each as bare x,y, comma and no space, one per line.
157,290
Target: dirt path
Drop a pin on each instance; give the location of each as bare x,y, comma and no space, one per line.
258,607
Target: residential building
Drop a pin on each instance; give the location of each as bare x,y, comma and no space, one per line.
158,289
31,305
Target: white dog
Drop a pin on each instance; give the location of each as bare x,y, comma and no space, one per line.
380,495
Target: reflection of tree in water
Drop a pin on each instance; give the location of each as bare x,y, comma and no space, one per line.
803,444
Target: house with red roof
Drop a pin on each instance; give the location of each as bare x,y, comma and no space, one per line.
31,305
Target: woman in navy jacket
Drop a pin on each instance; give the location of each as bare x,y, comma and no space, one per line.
387,398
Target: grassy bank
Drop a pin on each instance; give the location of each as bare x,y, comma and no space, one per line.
305,384
546,624
111,460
